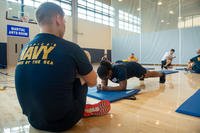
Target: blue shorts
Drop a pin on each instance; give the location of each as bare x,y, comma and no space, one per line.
196,69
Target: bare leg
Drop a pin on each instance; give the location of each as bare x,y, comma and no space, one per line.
150,74
168,62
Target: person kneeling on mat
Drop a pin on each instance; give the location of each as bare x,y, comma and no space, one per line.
120,72
194,63
166,61
48,90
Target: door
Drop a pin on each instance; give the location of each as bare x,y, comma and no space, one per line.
14,46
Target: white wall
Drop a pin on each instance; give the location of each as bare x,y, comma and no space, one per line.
93,35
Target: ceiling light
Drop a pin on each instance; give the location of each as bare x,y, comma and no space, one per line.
157,122
168,23
119,125
138,9
171,12
159,3
10,8
120,0
162,21
179,17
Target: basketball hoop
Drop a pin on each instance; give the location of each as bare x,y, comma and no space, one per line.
25,19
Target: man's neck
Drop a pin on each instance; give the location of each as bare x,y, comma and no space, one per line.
46,29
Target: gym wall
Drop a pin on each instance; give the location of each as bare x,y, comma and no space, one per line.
90,35
160,30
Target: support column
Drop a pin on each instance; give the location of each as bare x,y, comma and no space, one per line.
74,21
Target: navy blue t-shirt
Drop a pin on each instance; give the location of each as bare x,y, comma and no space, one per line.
45,76
125,70
196,61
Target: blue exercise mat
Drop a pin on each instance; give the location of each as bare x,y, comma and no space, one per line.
168,71
193,72
180,69
110,95
191,105
149,68
184,69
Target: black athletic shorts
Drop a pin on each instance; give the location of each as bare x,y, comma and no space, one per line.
164,63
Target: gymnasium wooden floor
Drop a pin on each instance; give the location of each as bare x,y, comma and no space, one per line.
152,112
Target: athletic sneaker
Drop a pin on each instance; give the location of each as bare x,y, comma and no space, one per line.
163,78
141,78
98,109
165,67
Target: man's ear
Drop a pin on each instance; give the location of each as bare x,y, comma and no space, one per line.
58,20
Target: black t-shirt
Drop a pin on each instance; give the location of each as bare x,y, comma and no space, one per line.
196,60
125,70
45,74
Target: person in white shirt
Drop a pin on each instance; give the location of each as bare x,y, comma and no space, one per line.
166,61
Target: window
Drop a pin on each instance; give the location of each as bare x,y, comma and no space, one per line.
14,8
190,21
65,4
196,20
129,22
28,2
15,1
96,11
181,24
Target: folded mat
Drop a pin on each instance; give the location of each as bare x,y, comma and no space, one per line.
110,95
191,105
168,71
180,69
149,68
184,69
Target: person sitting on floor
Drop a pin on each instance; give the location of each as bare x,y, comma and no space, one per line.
48,90
166,61
194,63
132,57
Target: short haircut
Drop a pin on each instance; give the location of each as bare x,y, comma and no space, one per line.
103,69
47,11
172,50
198,51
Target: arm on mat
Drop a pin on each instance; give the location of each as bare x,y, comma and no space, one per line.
103,83
122,86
